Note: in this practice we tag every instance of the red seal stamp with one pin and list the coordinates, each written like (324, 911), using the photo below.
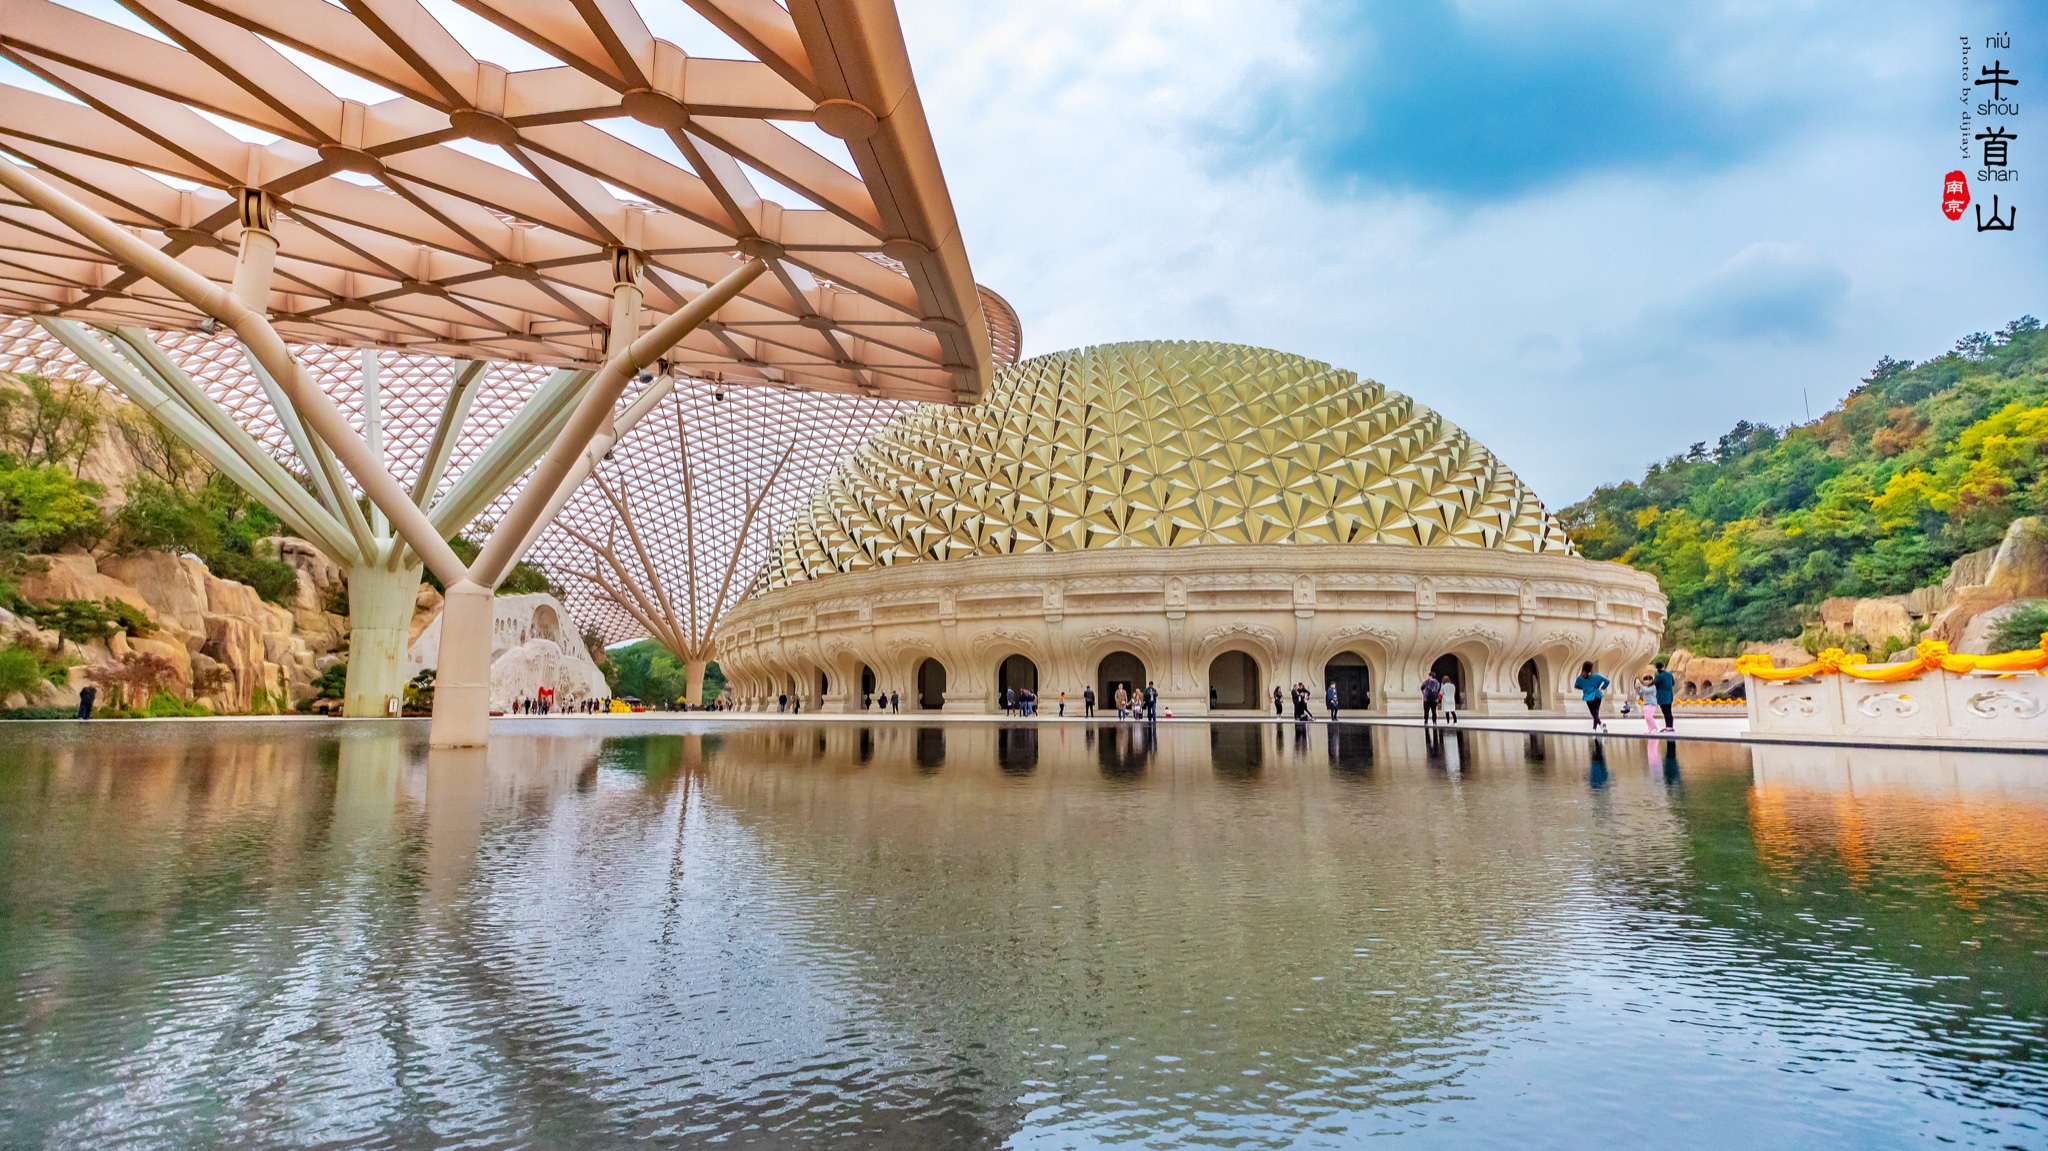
(1955, 195)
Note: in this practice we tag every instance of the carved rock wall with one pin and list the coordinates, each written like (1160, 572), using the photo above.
(534, 644)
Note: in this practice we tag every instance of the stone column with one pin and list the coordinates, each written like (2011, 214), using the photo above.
(462, 684)
(380, 604)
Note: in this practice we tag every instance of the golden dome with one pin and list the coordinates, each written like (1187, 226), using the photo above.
(1161, 444)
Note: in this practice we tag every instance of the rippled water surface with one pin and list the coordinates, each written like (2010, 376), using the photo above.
(789, 935)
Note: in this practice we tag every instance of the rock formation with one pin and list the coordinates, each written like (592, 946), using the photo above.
(534, 644)
(199, 623)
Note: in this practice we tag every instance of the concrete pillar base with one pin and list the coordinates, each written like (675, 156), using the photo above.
(380, 604)
(462, 685)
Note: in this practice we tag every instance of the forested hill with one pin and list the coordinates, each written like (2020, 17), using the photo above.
(1921, 464)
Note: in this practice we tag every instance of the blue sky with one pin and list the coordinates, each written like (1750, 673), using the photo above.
(1590, 232)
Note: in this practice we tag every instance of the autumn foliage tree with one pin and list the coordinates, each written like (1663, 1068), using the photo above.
(1919, 465)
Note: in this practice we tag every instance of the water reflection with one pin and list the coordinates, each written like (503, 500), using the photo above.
(1350, 748)
(1073, 935)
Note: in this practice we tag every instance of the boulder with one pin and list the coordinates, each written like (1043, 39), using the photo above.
(236, 643)
(1838, 615)
(320, 578)
(172, 586)
(426, 608)
(1879, 620)
(76, 575)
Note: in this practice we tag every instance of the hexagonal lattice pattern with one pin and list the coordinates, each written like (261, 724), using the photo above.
(1161, 445)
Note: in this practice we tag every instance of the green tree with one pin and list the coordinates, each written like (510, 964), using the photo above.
(648, 671)
(1919, 465)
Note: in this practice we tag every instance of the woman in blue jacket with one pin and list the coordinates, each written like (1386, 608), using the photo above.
(1592, 687)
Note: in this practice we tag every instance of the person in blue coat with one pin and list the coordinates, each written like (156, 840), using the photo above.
(1666, 689)
(1592, 687)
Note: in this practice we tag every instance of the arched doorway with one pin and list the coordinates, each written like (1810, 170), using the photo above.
(1530, 680)
(1233, 682)
(931, 685)
(1348, 672)
(1453, 668)
(1118, 668)
(867, 686)
(1016, 673)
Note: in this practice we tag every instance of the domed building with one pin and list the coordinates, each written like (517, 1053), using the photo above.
(1211, 518)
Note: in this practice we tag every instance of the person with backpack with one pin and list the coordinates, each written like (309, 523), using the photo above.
(1592, 688)
(1432, 697)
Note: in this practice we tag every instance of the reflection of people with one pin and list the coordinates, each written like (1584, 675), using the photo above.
(86, 695)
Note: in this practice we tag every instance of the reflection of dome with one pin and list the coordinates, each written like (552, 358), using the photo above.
(1162, 444)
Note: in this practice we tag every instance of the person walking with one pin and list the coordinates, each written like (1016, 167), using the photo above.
(86, 695)
(782, 702)
(895, 703)
(1276, 699)
(1432, 698)
(1450, 698)
(1667, 688)
(1646, 694)
(1330, 700)
(1063, 705)
(1088, 702)
(1592, 688)
(1123, 702)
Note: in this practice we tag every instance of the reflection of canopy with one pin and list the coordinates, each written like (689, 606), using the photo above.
(425, 198)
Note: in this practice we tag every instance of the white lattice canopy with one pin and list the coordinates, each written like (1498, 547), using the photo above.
(663, 539)
(470, 180)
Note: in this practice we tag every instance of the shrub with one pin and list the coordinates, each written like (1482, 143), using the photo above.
(84, 620)
(38, 713)
(332, 683)
(21, 670)
(2021, 629)
(140, 675)
(215, 521)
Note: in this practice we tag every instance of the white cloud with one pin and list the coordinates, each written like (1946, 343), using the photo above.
(1075, 136)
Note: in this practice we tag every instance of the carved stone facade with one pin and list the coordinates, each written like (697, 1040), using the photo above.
(839, 641)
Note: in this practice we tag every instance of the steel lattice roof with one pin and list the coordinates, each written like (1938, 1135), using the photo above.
(455, 180)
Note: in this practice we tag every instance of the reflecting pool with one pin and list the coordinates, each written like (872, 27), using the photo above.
(971, 935)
